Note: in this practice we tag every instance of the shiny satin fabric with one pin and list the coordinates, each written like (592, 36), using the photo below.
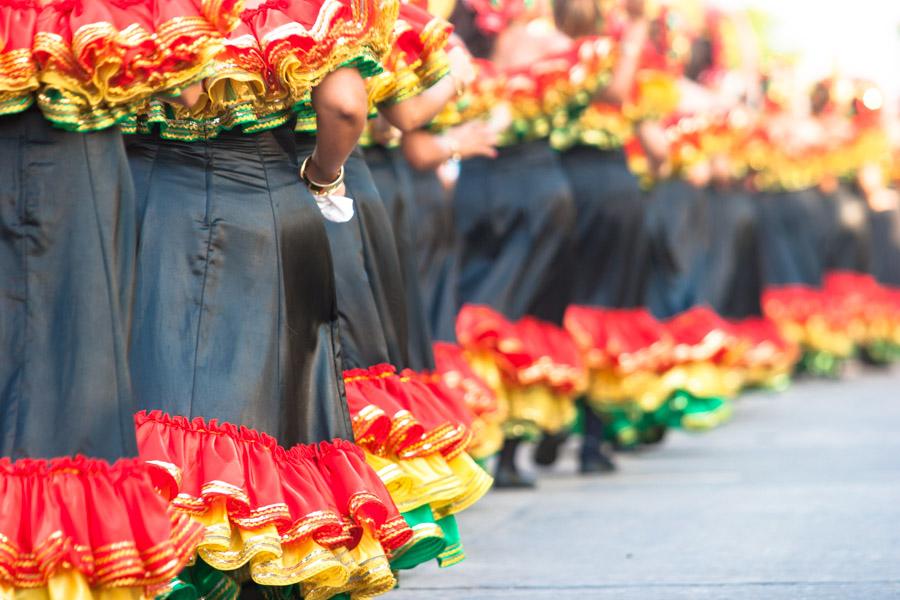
(793, 230)
(380, 277)
(732, 282)
(436, 253)
(678, 223)
(392, 177)
(847, 247)
(67, 239)
(514, 217)
(884, 245)
(611, 241)
(235, 314)
(364, 337)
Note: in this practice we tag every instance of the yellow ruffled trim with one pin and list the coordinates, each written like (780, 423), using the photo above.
(549, 410)
(474, 484)
(71, 585)
(322, 573)
(705, 380)
(448, 487)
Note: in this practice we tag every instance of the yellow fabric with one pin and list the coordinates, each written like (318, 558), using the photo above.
(448, 487)
(474, 484)
(71, 585)
(550, 411)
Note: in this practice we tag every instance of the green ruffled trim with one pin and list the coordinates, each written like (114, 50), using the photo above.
(882, 352)
(201, 582)
(453, 552)
(160, 116)
(13, 106)
(427, 544)
(822, 364)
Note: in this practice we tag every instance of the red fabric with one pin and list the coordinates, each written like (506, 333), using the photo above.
(422, 422)
(160, 40)
(554, 357)
(302, 491)
(764, 342)
(451, 363)
(700, 334)
(627, 339)
(104, 520)
(799, 303)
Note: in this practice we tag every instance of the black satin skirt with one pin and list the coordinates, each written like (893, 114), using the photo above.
(732, 279)
(67, 250)
(611, 241)
(514, 217)
(847, 247)
(367, 338)
(678, 223)
(393, 179)
(794, 232)
(436, 252)
(235, 316)
(884, 245)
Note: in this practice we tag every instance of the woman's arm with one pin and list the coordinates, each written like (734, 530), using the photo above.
(427, 151)
(341, 105)
(417, 111)
(630, 47)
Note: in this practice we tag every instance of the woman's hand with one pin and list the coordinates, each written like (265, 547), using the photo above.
(472, 139)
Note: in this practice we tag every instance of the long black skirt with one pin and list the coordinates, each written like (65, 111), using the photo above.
(514, 216)
(437, 253)
(235, 315)
(678, 225)
(67, 249)
(367, 338)
(393, 180)
(611, 240)
(732, 275)
(847, 247)
(884, 245)
(794, 230)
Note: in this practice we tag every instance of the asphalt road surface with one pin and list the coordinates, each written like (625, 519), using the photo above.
(797, 497)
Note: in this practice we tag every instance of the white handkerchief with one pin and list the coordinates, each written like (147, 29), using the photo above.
(338, 209)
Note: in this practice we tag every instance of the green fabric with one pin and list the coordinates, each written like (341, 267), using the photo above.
(694, 413)
(821, 363)
(453, 552)
(201, 581)
(428, 541)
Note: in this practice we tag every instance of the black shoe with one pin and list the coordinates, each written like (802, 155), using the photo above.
(507, 475)
(595, 460)
(547, 450)
(506, 479)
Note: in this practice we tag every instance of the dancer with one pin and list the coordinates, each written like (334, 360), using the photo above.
(80, 514)
(235, 352)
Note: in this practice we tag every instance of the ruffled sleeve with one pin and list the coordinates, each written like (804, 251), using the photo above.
(18, 69)
(270, 64)
(95, 61)
(417, 59)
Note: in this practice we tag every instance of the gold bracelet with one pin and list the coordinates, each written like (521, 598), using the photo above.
(320, 189)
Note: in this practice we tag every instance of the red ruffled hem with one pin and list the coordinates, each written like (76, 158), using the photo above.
(627, 340)
(528, 352)
(700, 335)
(402, 413)
(319, 491)
(458, 375)
(104, 521)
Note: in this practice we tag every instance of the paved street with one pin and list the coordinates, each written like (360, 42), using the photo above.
(798, 497)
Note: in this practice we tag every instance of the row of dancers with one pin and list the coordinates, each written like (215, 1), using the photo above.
(284, 281)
